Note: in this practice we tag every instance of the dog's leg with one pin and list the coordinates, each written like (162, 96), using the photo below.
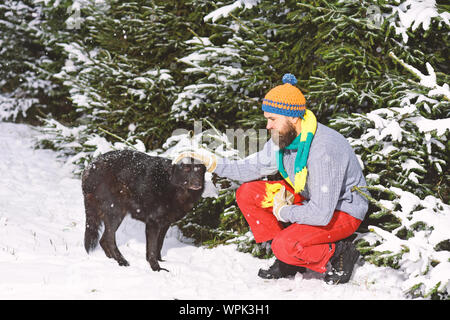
(161, 237)
(108, 241)
(152, 232)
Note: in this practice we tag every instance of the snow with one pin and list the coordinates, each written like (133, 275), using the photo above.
(428, 81)
(413, 13)
(419, 250)
(11, 106)
(226, 10)
(428, 125)
(42, 254)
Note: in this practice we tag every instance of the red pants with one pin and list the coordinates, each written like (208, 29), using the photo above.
(298, 244)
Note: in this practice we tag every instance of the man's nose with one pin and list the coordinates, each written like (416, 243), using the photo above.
(269, 125)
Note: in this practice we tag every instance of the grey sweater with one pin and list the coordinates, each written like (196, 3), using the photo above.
(333, 170)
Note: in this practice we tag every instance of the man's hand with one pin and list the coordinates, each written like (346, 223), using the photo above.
(281, 199)
(209, 160)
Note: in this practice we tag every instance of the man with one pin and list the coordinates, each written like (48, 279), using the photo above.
(315, 197)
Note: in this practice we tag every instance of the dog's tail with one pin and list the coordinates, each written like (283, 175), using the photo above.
(93, 223)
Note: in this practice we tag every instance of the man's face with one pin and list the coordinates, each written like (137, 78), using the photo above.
(282, 130)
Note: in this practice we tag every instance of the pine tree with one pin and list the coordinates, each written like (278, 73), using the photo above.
(404, 148)
(118, 79)
(377, 71)
(22, 87)
(350, 63)
(30, 55)
(61, 23)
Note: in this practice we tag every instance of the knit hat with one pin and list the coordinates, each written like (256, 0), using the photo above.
(285, 99)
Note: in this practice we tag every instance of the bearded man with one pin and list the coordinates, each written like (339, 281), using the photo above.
(308, 215)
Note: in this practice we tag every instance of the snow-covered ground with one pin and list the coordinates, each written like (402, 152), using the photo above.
(42, 254)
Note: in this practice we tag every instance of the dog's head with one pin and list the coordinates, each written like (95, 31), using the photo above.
(188, 173)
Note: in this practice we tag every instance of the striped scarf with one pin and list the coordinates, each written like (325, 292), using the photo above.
(302, 143)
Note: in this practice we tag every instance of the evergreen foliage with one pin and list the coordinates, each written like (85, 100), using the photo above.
(403, 143)
(29, 58)
(22, 86)
(117, 76)
(114, 74)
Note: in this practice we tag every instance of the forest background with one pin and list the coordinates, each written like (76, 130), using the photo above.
(98, 75)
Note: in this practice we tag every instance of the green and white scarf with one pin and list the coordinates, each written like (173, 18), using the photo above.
(302, 143)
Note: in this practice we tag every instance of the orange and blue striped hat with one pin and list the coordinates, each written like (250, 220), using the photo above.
(285, 99)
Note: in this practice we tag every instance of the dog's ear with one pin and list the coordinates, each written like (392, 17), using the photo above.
(170, 169)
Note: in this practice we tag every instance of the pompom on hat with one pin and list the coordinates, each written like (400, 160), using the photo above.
(285, 99)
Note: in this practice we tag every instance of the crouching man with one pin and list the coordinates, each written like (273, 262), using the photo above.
(315, 197)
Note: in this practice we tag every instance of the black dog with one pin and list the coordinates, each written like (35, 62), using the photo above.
(151, 189)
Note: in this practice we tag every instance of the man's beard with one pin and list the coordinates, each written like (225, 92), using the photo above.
(284, 138)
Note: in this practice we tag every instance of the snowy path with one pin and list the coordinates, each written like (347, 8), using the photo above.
(42, 254)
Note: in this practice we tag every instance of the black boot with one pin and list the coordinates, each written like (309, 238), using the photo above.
(342, 263)
(280, 270)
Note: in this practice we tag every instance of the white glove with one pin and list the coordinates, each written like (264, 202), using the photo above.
(281, 199)
(209, 160)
